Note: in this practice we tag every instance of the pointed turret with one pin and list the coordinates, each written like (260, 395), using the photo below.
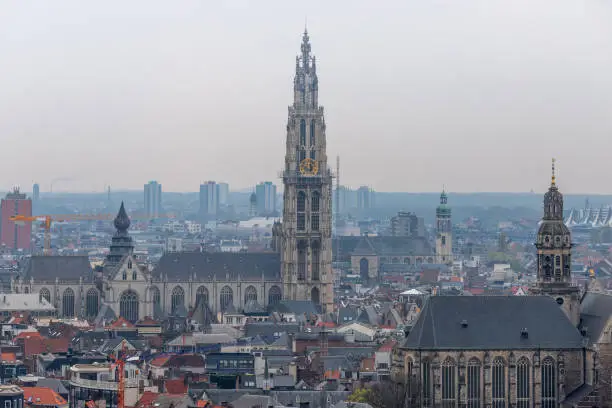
(122, 221)
(121, 243)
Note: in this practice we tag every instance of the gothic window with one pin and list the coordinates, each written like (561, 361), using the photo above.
(312, 133)
(419, 261)
(315, 297)
(227, 298)
(549, 384)
(409, 384)
(92, 302)
(124, 277)
(44, 294)
(302, 154)
(26, 290)
(128, 306)
(68, 303)
(407, 261)
(558, 260)
(443, 240)
(473, 383)
(522, 383)
(427, 386)
(314, 222)
(312, 154)
(301, 222)
(178, 299)
(498, 383)
(201, 295)
(130, 264)
(134, 275)
(274, 295)
(302, 132)
(448, 383)
(301, 202)
(302, 264)
(547, 267)
(155, 295)
(250, 294)
(315, 262)
(315, 202)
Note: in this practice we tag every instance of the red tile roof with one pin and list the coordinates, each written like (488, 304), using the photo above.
(8, 357)
(120, 323)
(42, 396)
(176, 386)
(159, 361)
(27, 334)
(39, 345)
(388, 346)
(147, 399)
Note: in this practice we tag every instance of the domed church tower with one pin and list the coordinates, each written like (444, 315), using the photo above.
(554, 246)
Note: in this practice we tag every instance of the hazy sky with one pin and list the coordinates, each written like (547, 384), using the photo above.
(474, 94)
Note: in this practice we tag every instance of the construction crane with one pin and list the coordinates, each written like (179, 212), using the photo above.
(119, 365)
(46, 220)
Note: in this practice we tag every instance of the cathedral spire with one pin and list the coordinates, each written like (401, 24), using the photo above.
(554, 179)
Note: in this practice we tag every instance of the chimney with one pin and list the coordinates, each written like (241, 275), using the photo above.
(524, 333)
(464, 323)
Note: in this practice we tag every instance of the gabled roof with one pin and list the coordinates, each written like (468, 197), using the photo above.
(595, 311)
(219, 265)
(64, 268)
(364, 247)
(492, 322)
(42, 396)
(121, 324)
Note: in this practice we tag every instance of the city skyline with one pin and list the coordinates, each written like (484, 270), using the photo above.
(531, 82)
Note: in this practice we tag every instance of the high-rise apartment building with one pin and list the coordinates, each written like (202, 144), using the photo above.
(209, 200)
(152, 199)
(12, 235)
(266, 198)
(223, 189)
(407, 224)
(365, 198)
(36, 192)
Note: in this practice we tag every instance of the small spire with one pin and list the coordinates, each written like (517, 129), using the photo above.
(554, 179)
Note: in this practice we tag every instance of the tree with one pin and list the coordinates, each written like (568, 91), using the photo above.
(387, 394)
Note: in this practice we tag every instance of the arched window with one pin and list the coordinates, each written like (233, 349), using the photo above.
(44, 294)
(92, 302)
(227, 298)
(549, 385)
(134, 275)
(315, 203)
(315, 259)
(313, 139)
(448, 383)
(26, 290)
(301, 261)
(522, 383)
(128, 306)
(156, 297)
(473, 383)
(178, 299)
(364, 268)
(301, 208)
(315, 297)
(124, 275)
(407, 261)
(302, 132)
(427, 385)
(250, 294)
(130, 264)
(201, 295)
(68, 303)
(274, 295)
(430, 260)
(498, 383)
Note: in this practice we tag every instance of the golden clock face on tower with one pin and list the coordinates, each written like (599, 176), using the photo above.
(309, 167)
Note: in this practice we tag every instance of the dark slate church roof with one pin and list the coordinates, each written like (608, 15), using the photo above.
(382, 246)
(493, 322)
(596, 309)
(66, 268)
(225, 266)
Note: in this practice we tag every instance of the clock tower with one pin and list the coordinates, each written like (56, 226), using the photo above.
(554, 245)
(306, 230)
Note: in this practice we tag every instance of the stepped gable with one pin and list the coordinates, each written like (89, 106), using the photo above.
(65, 268)
(223, 266)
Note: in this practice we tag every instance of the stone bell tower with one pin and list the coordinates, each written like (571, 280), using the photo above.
(444, 231)
(306, 252)
(554, 255)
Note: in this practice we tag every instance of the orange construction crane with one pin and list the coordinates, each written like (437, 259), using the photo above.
(47, 219)
(119, 365)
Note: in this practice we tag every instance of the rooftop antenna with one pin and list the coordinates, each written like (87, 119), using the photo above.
(553, 180)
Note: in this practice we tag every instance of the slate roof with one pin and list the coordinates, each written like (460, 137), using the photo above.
(267, 330)
(595, 310)
(297, 307)
(493, 322)
(222, 265)
(66, 268)
(382, 245)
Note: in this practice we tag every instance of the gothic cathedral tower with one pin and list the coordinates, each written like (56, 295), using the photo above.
(307, 215)
(444, 231)
(554, 246)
